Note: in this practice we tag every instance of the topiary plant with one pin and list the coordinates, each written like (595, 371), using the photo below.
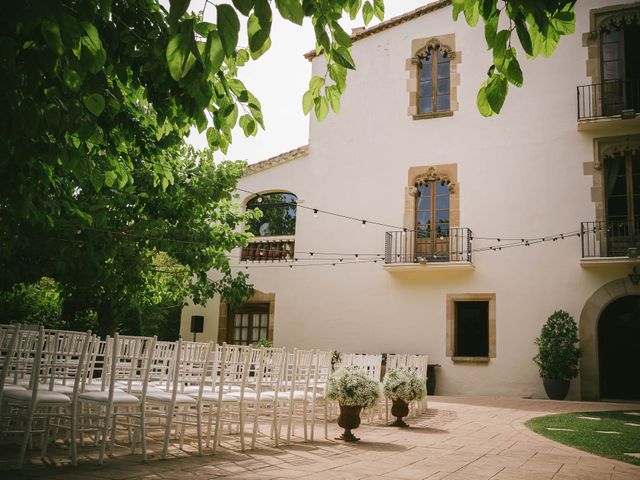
(558, 355)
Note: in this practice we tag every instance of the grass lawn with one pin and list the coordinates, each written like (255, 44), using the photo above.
(583, 433)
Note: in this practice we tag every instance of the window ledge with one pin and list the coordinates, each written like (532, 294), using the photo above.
(424, 116)
(428, 267)
(590, 262)
(483, 360)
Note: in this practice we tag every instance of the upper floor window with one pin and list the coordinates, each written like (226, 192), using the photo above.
(620, 64)
(278, 214)
(434, 93)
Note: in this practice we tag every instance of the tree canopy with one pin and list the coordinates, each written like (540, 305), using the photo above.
(100, 191)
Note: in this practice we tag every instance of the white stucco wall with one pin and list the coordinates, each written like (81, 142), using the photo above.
(520, 174)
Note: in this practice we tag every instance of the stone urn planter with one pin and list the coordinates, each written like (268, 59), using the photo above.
(349, 419)
(353, 390)
(399, 409)
(556, 389)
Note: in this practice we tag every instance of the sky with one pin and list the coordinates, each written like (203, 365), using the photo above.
(279, 79)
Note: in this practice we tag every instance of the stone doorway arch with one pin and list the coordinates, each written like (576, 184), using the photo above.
(588, 330)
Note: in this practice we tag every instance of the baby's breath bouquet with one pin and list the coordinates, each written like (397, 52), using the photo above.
(404, 384)
(351, 387)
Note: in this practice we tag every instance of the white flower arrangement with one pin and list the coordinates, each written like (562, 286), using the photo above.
(404, 384)
(351, 387)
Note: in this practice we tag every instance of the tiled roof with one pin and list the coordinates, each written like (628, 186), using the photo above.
(392, 22)
(277, 160)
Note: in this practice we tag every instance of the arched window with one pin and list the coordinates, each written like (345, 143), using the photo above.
(434, 73)
(278, 214)
(432, 218)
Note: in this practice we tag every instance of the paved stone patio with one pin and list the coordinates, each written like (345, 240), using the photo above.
(459, 439)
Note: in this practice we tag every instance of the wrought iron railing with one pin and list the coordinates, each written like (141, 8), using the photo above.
(608, 99)
(259, 250)
(611, 238)
(407, 247)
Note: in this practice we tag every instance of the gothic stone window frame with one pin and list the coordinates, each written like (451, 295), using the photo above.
(419, 48)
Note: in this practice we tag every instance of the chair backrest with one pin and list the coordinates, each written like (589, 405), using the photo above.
(129, 364)
(190, 365)
(26, 349)
(64, 357)
(271, 371)
(233, 370)
(370, 364)
(163, 355)
(322, 370)
(299, 376)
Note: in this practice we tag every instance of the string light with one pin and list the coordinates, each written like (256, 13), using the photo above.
(364, 223)
(315, 213)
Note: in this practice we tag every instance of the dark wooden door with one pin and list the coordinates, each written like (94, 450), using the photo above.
(432, 222)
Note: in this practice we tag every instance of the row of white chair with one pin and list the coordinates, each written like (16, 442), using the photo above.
(74, 385)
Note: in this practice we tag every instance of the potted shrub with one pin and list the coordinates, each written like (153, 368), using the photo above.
(353, 390)
(558, 355)
(402, 386)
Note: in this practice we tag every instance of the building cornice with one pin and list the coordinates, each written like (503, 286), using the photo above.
(392, 22)
(277, 160)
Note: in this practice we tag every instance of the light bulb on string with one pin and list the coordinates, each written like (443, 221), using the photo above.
(364, 223)
(315, 213)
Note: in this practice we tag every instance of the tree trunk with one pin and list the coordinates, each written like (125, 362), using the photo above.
(107, 323)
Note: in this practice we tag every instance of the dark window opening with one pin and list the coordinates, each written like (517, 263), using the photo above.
(248, 324)
(434, 81)
(472, 329)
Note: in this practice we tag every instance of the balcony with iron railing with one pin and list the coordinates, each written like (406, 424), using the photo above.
(406, 250)
(268, 250)
(607, 104)
(610, 242)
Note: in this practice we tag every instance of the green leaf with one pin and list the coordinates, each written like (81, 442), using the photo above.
(228, 26)
(367, 12)
(179, 56)
(564, 22)
(333, 95)
(378, 9)
(291, 10)
(471, 12)
(307, 101)
(177, 9)
(340, 36)
(243, 6)
(342, 57)
(490, 30)
(213, 137)
(354, 8)
(514, 73)
(483, 104)
(338, 74)
(94, 103)
(259, 26)
(458, 7)
(496, 91)
(248, 125)
(500, 49)
(322, 108)
(213, 52)
(51, 32)
(315, 84)
(110, 178)
(73, 79)
(96, 179)
(94, 46)
(523, 35)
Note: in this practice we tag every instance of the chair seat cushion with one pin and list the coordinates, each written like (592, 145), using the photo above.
(165, 397)
(297, 395)
(10, 386)
(103, 397)
(44, 396)
(213, 397)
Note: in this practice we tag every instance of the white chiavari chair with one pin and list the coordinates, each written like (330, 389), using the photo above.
(59, 357)
(318, 388)
(224, 398)
(189, 368)
(127, 365)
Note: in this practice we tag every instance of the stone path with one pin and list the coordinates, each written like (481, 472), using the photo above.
(459, 439)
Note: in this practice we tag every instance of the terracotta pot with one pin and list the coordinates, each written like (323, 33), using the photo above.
(349, 419)
(399, 409)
